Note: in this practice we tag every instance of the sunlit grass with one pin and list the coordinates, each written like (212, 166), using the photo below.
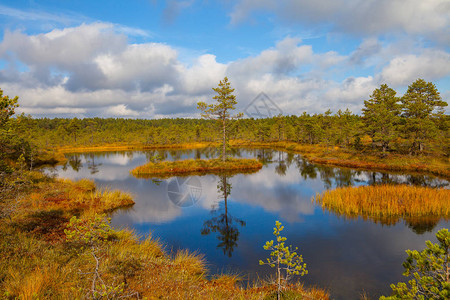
(190, 166)
(79, 195)
(387, 202)
(38, 262)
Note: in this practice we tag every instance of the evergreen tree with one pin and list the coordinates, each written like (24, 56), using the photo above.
(7, 136)
(381, 115)
(7, 106)
(226, 101)
(422, 107)
(430, 269)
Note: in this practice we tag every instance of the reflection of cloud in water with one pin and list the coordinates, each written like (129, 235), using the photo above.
(120, 160)
(288, 195)
(106, 173)
(152, 205)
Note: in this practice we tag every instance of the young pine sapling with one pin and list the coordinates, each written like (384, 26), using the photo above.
(284, 259)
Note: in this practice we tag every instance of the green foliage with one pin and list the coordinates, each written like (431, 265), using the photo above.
(7, 138)
(430, 269)
(95, 235)
(381, 115)
(7, 107)
(422, 108)
(92, 233)
(283, 258)
(220, 111)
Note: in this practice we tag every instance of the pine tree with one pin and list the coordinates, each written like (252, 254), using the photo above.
(226, 101)
(429, 269)
(422, 106)
(381, 115)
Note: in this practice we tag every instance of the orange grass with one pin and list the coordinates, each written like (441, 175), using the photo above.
(195, 166)
(387, 202)
(80, 195)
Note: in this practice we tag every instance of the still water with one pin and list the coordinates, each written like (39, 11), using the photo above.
(229, 218)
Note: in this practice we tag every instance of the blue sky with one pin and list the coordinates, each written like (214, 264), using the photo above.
(153, 59)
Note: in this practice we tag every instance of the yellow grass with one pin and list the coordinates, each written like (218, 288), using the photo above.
(387, 202)
(195, 166)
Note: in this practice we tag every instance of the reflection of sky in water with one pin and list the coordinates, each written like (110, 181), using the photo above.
(346, 256)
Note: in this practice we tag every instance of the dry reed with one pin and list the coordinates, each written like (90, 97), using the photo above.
(386, 202)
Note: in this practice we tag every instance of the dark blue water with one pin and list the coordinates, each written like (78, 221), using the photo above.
(347, 257)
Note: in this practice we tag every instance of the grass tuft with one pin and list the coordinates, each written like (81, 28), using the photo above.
(195, 166)
(387, 203)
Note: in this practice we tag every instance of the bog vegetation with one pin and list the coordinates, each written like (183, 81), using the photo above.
(387, 203)
(196, 166)
(56, 242)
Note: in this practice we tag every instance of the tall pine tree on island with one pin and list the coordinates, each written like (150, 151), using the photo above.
(220, 111)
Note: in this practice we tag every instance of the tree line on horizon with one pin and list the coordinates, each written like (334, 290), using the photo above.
(414, 123)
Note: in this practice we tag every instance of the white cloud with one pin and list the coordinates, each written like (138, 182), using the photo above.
(139, 66)
(205, 73)
(286, 57)
(350, 93)
(121, 110)
(53, 110)
(429, 17)
(92, 70)
(404, 69)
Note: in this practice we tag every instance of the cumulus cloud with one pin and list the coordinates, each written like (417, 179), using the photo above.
(286, 57)
(357, 16)
(404, 69)
(351, 93)
(93, 70)
(120, 110)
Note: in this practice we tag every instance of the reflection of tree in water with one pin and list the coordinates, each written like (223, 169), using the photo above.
(306, 169)
(75, 163)
(419, 225)
(281, 166)
(92, 165)
(346, 177)
(422, 225)
(224, 224)
(265, 156)
(198, 154)
(236, 152)
(176, 154)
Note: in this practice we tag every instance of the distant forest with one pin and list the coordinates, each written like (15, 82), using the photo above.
(412, 124)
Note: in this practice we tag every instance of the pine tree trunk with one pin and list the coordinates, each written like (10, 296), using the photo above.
(224, 141)
(420, 147)
(279, 277)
